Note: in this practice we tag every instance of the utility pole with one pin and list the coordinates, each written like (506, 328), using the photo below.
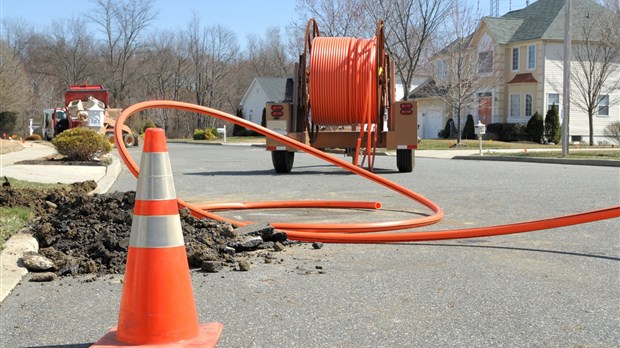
(566, 87)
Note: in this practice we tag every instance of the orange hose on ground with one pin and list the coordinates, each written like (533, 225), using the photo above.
(352, 233)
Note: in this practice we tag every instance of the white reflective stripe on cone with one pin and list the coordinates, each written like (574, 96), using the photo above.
(155, 180)
(156, 231)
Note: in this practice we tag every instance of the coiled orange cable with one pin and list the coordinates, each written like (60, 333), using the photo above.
(343, 88)
(349, 233)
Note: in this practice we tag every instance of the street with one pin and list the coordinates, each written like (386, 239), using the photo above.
(552, 288)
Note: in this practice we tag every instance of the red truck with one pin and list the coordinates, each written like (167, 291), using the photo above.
(57, 120)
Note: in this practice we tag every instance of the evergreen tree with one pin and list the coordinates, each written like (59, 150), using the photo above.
(468, 131)
(535, 128)
(552, 125)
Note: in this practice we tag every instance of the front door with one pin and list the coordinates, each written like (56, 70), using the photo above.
(485, 108)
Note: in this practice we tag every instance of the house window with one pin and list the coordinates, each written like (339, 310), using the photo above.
(531, 57)
(515, 105)
(515, 59)
(485, 62)
(528, 105)
(442, 69)
(603, 105)
(553, 99)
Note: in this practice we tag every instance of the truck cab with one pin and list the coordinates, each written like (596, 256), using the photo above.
(55, 121)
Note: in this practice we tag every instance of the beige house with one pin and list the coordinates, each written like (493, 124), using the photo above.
(522, 52)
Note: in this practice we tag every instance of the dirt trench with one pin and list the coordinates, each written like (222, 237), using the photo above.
(89, 234)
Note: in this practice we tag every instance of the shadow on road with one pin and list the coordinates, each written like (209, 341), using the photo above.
(604, 257)
(301, 170)
(78, 345)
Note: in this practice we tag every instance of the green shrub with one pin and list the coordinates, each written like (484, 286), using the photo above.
(552, 125)
(468, 130)
(81, 144)
(199, 134)
(8, 119)
(612, 132)
(211, 133)
(506, 132)
(239, 131)
(447, 130)
(33, 137)
(148, 124)
(535, 128)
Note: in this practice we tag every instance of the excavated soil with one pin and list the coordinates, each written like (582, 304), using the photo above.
(89, 234)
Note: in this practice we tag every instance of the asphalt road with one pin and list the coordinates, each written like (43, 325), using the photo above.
(552, 288)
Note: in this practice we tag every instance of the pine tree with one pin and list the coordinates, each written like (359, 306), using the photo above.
(552, 125)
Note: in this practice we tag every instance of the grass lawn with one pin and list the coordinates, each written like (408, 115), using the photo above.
(445, 144)
(572, 153)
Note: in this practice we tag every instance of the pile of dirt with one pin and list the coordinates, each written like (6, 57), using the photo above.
(84, 234)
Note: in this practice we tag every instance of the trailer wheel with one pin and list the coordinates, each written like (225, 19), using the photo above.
(128, 139)
(282, 161)
(404, 160)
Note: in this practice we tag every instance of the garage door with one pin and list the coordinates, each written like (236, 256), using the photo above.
(431, 124)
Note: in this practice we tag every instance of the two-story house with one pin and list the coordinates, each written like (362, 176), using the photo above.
(523, 50)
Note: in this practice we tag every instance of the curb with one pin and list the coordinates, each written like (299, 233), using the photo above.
(578, 162)
(111, 173)
(11, 266)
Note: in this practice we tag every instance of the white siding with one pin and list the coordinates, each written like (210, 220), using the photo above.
(554, 80)
(253, 103)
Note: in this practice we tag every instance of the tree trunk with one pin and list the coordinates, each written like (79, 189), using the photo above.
(591, 126)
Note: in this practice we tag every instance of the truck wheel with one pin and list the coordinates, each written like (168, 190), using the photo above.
(128, 139)
(282, 161)
(404, 160)
(110, 137)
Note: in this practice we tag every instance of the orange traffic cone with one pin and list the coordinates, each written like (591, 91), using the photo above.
(157, 305)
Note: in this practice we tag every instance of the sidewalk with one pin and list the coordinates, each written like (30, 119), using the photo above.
(51, 174)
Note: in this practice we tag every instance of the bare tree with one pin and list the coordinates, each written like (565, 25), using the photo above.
(14, 91)
(212, 52)
(595, 69)
(165, 68)
(464, 67)
(267, 54)
(335, 18)
(122, 23)
(612, 5)
(16, 34)
(409, 26)
(70, 51)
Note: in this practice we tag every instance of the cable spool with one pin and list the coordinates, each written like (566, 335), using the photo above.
(343, 84)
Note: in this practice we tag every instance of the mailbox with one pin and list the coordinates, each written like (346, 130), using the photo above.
(480, 128)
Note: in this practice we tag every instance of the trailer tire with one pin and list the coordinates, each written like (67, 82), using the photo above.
(404, 160)
(282, 161)
(128, 139)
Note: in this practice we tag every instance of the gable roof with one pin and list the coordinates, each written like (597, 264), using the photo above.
(276, 88)
(544, 19)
